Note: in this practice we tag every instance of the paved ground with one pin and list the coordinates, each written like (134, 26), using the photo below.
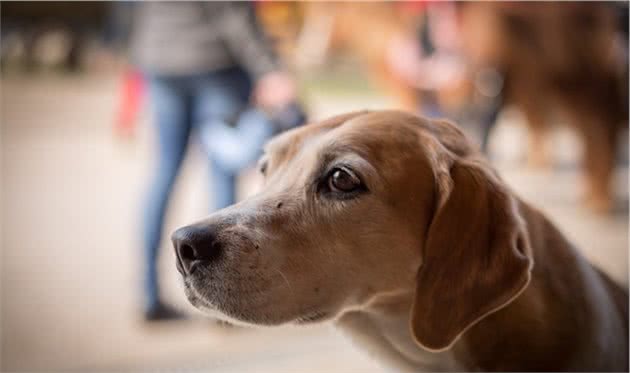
(70, 253)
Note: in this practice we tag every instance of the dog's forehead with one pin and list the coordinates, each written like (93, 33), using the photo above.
(285, 146)
(367, 132)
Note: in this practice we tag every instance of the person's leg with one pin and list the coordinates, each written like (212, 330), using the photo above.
(220, 100)
(172, 123)
(223, 184)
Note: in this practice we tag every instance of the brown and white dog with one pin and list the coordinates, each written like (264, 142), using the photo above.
(393, 227)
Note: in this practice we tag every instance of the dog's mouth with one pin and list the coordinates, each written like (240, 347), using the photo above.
(207, 306)
(197, 300)
(314, 317)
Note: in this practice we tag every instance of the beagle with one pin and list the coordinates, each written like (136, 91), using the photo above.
(394, 228)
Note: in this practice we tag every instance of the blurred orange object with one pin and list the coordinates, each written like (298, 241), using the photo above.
(129, 106)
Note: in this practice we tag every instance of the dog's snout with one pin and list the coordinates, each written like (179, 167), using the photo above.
(194, 246)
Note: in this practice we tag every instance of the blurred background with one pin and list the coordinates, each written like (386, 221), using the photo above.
(121, 121)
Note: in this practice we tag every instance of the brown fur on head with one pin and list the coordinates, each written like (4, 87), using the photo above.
(428, 219)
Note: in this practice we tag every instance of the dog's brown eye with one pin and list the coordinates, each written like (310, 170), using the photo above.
(343, 181)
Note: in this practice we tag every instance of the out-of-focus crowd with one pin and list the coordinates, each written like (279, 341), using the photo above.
(464, 61)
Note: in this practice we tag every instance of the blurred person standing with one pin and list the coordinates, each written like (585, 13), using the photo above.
(202, 62)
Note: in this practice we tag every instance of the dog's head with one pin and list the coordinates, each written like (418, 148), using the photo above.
(356, 207)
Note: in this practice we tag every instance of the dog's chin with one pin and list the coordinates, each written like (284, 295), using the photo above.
(215, 310)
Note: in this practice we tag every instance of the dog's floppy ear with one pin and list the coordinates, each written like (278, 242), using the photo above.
(476, 256)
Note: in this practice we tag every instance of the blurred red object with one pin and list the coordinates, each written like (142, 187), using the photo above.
(129, 106)
(413, 7)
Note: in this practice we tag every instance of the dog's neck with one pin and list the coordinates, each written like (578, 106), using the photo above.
(383, 330)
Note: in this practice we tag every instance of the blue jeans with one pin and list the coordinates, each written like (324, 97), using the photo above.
(203, 106)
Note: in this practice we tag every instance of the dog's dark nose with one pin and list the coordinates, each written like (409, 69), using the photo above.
(194, 246)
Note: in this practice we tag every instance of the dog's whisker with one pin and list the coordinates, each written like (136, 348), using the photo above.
(285, 280)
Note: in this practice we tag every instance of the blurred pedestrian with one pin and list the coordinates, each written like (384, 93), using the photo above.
(202, 62)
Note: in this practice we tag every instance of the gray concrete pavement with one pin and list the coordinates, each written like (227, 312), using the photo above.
(70, 250)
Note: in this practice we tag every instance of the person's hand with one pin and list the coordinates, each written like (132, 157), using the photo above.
(275, 90)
